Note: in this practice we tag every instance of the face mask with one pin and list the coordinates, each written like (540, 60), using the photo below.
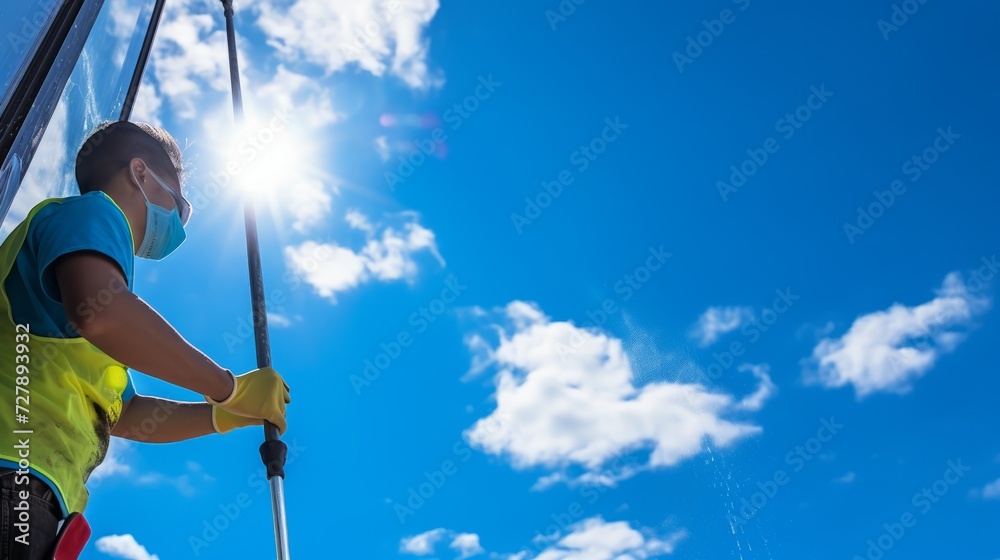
(164, 228)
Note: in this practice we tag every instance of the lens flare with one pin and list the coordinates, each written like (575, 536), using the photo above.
(414, 120)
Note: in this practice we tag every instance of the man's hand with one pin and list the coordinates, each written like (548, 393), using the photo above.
(261, 393)
(224, 421)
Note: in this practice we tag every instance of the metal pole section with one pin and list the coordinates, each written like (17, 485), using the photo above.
(140, 67)
(273, 450)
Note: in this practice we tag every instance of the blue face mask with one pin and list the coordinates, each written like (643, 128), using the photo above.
(164, 228)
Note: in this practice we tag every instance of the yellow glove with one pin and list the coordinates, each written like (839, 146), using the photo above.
(261, 393)
(225, 421)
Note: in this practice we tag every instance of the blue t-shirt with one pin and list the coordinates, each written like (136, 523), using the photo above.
(89, 222)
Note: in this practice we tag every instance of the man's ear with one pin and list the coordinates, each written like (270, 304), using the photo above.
(137, 171)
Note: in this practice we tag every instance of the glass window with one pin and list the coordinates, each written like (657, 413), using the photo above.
(21, 24)
(94, 93)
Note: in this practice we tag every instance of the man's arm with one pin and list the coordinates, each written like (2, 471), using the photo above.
(129, 330)
(171, 420)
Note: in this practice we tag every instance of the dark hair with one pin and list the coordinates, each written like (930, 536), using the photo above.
(110, 148)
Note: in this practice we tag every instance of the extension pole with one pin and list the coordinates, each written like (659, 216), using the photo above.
(273, 450)
(140, 65)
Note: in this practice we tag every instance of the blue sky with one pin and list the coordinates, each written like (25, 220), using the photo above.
(615, 365)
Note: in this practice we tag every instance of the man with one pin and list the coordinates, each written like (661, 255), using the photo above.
(70, 326)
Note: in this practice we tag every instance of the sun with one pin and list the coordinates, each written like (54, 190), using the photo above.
(266, 160)
(270, 152)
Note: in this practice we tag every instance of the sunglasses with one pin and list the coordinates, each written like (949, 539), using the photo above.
(183, 206)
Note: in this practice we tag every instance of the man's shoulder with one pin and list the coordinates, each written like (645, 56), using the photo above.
(79, 207)
(95, 199)
(90, 221)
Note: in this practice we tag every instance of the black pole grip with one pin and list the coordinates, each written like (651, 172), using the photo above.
(273, 453)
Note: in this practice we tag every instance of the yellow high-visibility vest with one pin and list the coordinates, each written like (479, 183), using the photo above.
(68, 390)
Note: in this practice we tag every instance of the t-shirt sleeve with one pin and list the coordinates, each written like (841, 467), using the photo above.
(129, 391)
(87, 223)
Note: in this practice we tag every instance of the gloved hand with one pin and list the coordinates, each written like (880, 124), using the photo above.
(261, 393)
(225, 421)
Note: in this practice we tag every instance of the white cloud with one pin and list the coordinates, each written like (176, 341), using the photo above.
(482, 353)
(886, 351)
(308, 202)
(183, 483)
(114, 462)
(565, 398)
(291, 90)
(524, 314)
(331, 268)
(596, 539)
(716, 321)
(589, 539)
(467, 545)
(278, 320)
(147, 104)
(390, 258)
(379, 36)
(190, 54)
(359, 221)
(382, 147)
(992, 490)
(189, 69)
(48, 175)
(122, 26)
(846, 478)
(124, 546)
(422, 544)
(765, 388)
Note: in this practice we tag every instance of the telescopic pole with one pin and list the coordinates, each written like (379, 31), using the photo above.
(273, 450)
(140, 65)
